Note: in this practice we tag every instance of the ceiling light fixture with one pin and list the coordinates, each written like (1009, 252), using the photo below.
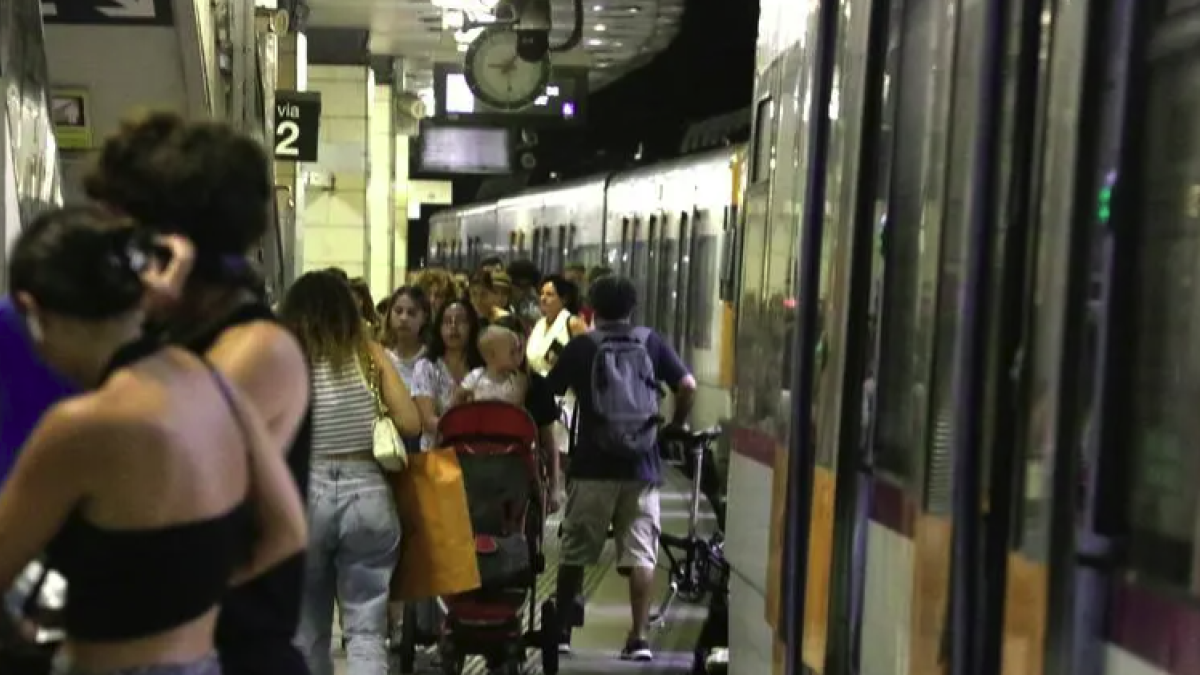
(597, 8)
(595, 43)
(600, 28)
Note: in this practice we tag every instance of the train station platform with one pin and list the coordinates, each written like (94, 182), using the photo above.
(595, 647)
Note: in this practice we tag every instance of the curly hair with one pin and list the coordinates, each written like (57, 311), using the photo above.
(204, 180)
(323, 313)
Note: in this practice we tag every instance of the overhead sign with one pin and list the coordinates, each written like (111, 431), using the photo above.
(72, 117)
(109, 12)
(297, 125)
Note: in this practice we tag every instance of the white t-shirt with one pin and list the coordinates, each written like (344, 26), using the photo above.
(486, 388)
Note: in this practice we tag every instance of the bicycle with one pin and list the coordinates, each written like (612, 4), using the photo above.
(697, 565)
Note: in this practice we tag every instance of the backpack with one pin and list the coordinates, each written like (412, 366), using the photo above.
(624, 393)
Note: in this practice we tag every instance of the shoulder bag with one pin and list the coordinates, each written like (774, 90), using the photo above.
(388, 446)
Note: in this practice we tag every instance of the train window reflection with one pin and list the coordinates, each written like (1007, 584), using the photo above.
(764, 146)
(1164, 428)
(903, 369)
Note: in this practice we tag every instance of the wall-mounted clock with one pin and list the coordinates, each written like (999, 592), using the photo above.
(498, 76)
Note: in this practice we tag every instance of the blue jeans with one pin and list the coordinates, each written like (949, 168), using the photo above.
(354, 542)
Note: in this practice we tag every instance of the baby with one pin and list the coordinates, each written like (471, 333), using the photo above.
(501, 378)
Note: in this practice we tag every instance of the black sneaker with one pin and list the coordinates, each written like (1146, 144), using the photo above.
(637, 650)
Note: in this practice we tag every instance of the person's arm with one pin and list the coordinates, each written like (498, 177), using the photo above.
(576, 326)
(278, 509)
(670, 370)
(551, 454)
(568, 364)
(425, 395)
(47, 482)
(396, 397)
(265, 362)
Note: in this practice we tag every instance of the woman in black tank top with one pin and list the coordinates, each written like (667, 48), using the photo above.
(146, 492)
(212, 184)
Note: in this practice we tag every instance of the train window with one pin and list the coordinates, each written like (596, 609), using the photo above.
(668, 273)
(908, 311)
(645, 266)
(764, 141)
(536, 250)
(1163, 437)
(622, 262)
(681, 300)
(571, 253)
(512, 245)
(704, 259)
(561, 250)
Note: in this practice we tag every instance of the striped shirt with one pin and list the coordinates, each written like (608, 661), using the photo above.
(343, 410)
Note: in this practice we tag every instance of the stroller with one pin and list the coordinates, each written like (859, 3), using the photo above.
(505, 484)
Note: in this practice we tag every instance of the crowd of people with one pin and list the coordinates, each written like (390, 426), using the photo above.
(199, 465)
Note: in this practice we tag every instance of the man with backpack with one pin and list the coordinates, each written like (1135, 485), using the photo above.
(615, 471)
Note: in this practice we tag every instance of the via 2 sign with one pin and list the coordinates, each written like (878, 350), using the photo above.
(297, 125)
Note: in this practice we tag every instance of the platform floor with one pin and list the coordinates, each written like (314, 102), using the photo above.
(596, 646)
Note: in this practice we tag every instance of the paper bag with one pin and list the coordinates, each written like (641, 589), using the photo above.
(437, 550)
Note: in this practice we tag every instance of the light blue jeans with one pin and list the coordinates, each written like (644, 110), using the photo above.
(354, 542)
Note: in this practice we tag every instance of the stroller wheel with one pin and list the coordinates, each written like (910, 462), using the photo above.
(550, 633)
(453, 663)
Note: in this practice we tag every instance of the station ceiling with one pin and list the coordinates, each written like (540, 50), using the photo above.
(619, 36)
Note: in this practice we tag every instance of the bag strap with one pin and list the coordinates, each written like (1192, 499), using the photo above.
(374, 378)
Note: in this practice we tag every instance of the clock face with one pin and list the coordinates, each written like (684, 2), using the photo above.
(499, 77)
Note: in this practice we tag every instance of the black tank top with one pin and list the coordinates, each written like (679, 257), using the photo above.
(259, 619)
(125, 583)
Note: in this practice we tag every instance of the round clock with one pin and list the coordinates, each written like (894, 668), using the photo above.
(498, 76)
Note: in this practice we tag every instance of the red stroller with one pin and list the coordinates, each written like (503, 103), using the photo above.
(496, 444)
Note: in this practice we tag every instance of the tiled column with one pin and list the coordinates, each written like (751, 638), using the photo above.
(400, 207)
(379, 199)
(336, 209)
(292, 74)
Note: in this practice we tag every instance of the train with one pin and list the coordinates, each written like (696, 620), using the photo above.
(670, 227)
(947, 327)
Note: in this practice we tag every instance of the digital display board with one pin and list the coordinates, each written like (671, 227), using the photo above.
(463, 150)
(563, 102)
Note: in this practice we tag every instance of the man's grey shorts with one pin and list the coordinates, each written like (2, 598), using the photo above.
(631, 507)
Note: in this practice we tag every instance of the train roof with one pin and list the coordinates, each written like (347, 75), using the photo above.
(594, 182)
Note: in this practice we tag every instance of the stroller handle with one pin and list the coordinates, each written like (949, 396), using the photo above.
(703, 437)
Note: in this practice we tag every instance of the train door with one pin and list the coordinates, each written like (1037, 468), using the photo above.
(1109, 514)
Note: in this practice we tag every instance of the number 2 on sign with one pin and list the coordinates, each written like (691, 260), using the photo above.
(287, 134)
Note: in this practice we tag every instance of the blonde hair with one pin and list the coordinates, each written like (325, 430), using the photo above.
(492, 335)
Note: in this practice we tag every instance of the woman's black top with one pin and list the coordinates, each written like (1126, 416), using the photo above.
(259, 619)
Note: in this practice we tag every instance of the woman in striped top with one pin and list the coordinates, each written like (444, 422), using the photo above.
(355, 531)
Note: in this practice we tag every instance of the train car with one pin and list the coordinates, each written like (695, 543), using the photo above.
(479, 236)
(543, 224)
(670, 229)
(962, 439)
(669, 226)
(446, 239)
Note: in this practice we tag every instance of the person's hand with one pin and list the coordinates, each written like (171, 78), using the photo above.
(555, 499)
(165, 283)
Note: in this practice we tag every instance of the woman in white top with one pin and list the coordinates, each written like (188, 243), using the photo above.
(405, 328)
(559, 303)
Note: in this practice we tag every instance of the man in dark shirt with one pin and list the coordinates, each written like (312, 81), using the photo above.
(609, 489)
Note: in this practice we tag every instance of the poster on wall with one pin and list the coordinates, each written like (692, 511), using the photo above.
(70, 112)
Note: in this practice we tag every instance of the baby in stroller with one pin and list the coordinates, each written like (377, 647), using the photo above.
(501, 378)
(505, 480)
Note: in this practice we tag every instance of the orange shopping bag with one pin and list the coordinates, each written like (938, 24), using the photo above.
(437, 550)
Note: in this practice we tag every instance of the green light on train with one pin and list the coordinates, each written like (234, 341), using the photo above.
(1105, 210)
